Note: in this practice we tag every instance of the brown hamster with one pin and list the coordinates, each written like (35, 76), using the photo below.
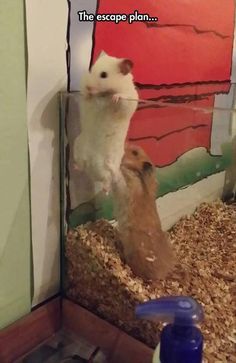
(146, 248)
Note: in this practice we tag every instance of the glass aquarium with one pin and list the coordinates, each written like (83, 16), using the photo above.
(155, 214)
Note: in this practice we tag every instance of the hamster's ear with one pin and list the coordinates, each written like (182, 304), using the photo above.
(125, 66)
(101, 54)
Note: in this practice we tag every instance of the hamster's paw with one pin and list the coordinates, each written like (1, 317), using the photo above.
(106, 187)
(116, 97)
(79, 165)
(114, 171)
(76, 167)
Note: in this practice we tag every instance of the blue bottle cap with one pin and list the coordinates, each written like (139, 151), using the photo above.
(181, 341)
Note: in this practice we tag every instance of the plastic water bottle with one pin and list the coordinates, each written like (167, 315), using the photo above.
(180, 341)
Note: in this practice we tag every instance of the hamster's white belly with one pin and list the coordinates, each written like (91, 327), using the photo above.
(104, 128)
(100, 142)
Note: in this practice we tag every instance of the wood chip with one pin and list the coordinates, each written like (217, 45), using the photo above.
(204, 244)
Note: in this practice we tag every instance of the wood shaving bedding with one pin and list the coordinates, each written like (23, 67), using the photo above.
(205, 245)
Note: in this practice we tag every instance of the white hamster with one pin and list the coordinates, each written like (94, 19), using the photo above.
(105, 115)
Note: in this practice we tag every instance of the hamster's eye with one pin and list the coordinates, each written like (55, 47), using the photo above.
(103, 74)
(134, 152)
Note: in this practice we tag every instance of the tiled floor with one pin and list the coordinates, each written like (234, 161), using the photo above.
(65, 348)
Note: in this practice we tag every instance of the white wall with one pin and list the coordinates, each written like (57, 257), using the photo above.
(46, 37)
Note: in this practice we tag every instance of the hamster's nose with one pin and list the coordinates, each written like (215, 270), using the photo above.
(91, 90)
(147, 166)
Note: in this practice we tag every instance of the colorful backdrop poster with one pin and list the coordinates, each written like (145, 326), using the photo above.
(183, 54)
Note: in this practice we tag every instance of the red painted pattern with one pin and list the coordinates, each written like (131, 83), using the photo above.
(167, 133)
(176, 54)
(191, 44)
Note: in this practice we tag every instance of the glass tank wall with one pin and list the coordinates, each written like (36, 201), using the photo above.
(148, 193)
(152, 212)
